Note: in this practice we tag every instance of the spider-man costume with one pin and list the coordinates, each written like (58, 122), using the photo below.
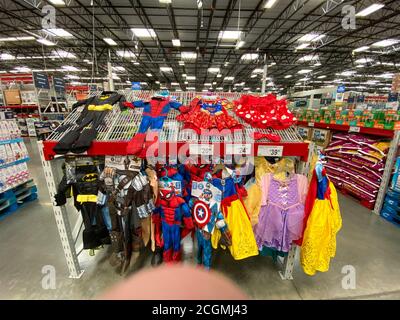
(154, 113)
(172, 210)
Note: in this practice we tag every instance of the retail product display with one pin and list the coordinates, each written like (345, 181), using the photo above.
(207, 112)
(356, 164)
(79, 137)
(155, 112)
(391, 206)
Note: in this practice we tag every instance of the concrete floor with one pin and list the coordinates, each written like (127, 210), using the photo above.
(29, 240)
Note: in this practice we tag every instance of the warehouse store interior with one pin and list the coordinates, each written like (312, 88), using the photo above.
(255, 140)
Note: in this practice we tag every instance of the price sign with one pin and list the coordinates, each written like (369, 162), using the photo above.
(270, 151)
(201, 149)
(238, 148)
(354, 129)
(311, 124)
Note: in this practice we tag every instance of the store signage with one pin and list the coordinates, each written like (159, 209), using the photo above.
(354, 129)
(341, 89)
(136, 86)
(93, 87)
(41, 80)
(238, 148)
(270, 151)
(311, 124)
(59, 85)
(201, 149)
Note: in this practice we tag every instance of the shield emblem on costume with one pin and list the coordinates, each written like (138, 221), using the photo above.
(201, 213)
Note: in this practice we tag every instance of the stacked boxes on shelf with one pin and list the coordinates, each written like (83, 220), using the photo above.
(16, 185)
(391, 207)
(356, 164)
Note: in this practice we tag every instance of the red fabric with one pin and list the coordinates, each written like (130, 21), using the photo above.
(269, 136)
(128, 105)
(157, 106)
(264, 112)
(135, 145)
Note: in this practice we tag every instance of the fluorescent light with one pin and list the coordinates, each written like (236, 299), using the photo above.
(240, 44)
(269, 4)
(165, 1)
(63, 54)
(143, 32)
(174, 84)
(181, 63)
(219, 75)
(191, 88)
(367, 11)
(207, 84)
(176, 42)
(88, 61)
(190, 78)
(229, 78)
(258, 70)
(58, 32)
(215, 82)
(360, 49)
(253, 76)
(149, 74)
(57, 2)
(199, 4)
(220, 88)
(71, 76)
(136, 63)
(347, 73)
(17, 39)
(309, 57)
(165, 69)
(386, 43)
(186, 82)
(246, 89)
(158, 82)
(364, 60)
(119, 68)
(204, 90)
(229, 35)
(288, 76)
(70, 68)
(214, 70)
(302, 46)
(109, 41)
(321, 77)
(126, 54)
(184, 75)
(6, 56)
(187, 55)
(45, 42)
(249, 56)
(311, 37)
(304, 71)
(226, 64)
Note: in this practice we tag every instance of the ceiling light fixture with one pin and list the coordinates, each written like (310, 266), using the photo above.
(17, 39)
(181, 63)
(360, 49)
(126, 54)
(386, 43)
(321, 77)
(229, 35)
(269, 4)
(240, 44)
(188, 55)
(219, 75)
(165, 69)
(213, 70)
(302, 46)
(176, 42)
(229, 78)
(288, 76)
(309, 57)
(58, 32)
(372, 8)
(45, 42)
(190, 78)
(303, 71)
(165, 1)
(57, 2)
(6, 56)
(174, 84)
(109, 41)
(364, 60)
(136, 63)
(149, 74)
(143, 33)
(191, 88)
(249, 56)
(311, 37)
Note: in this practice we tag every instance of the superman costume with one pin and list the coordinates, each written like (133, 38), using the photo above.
(172, 211)
(154, 113)
(207, 113)
(95, 109)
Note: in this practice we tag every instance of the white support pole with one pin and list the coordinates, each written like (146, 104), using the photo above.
(390, 159)
(60, 213)
(110, 78)
(264, 77)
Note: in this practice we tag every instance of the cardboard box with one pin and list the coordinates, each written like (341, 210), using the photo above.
(305, 132)
(12, 96)
(321, 137)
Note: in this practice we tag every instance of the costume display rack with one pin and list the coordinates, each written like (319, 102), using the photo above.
(119, 127)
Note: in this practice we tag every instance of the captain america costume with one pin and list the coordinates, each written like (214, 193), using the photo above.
(155, 112)
(172, 210)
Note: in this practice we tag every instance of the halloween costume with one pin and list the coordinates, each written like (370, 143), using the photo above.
(155, 112)
(264, 112)
(81, 180)
(172, 211)
(207, 113)
(131, 203)
(207, 217)
(323, 223)
(95, 109)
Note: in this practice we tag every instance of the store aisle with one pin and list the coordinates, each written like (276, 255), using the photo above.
(29, 241)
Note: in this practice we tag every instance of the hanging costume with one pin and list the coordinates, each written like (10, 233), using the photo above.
(94, 111)
(81, 180)
(130, 201)
(281, 216)
(323, 223)
(237, 219)
(207, 216)
(155, 112)
(207, 113)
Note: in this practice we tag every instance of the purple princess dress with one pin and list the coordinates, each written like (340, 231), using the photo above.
(282, 212)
